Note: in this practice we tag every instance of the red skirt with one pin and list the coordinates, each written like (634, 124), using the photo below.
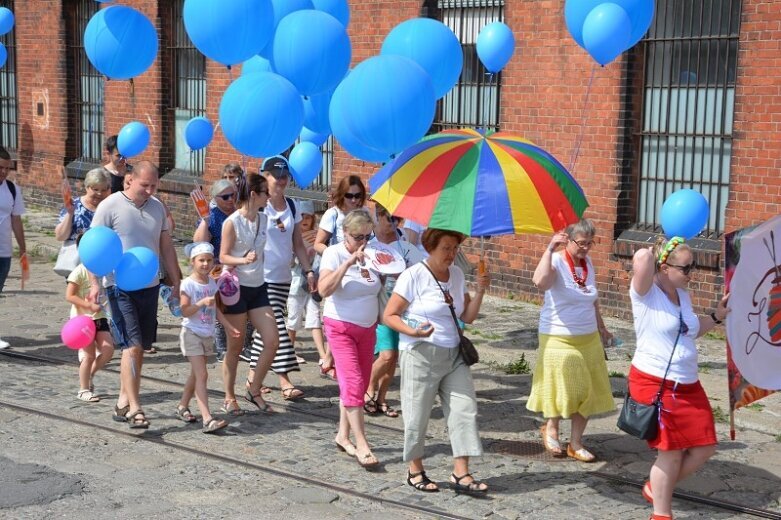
(686, 416)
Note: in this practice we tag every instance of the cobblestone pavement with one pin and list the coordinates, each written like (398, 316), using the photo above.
(54, 468)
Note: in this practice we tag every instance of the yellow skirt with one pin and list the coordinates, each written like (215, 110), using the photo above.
(570, 377)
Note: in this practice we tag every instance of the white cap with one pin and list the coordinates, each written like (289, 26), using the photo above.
(198, 248)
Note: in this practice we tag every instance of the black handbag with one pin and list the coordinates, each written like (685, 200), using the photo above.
(642, 420)
(465, 345)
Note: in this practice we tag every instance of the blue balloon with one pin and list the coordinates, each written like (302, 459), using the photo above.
(316, 112)
(229, 32)
(641, 14)
(495, 46)
(432, 45)
(344, 135)
(100, 250)
(684, 214)
(198, 133)
(256, 63)
(306, 161)
(339, 9)
(6, 20)
(120, 42)
(312, 50)
(132, 139)
(282, 8)
(261, 114)
(3, 55)
(387, 103)
(312, 137)
(137, 268)
(606, 32)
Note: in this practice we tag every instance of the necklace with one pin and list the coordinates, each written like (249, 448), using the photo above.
(581, 281)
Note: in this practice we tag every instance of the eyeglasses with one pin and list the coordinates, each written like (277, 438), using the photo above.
(583, 244)
(361, 238)
(353, 196)
(685, 269)
(227, 196)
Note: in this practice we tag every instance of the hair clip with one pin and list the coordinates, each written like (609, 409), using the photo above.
(669, 248)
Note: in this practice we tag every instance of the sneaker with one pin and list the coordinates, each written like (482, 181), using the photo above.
(300, 360)
(245, 356)
(4, 344)
(220, 356)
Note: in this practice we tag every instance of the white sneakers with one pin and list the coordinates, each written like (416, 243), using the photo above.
(4, 344)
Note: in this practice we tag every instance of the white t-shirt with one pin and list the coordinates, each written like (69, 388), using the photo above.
(202, 322)
(80, 277)
(419, 229)
(568, 309)
(279, 243)
(249, 236)
(332, 221)
(355, 300)
(427, 304)
(657, 320)
(8, 207)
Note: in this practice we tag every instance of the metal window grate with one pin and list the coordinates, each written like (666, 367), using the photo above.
(691, 53)
(9, 110)
(86, 85)
(474, 100)
(188, 90)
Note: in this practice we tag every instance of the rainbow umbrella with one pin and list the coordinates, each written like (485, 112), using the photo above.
(480, 184)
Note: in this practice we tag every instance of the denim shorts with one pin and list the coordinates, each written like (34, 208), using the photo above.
(249, 298)
(135, 315)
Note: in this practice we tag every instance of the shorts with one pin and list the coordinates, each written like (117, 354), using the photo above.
(135, 316)
(249, 298)
(191, 344)
(296, 316)
(387, 339)
(101, 325)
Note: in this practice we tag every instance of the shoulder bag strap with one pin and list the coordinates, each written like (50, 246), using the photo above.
(669, 362)
(452, 309)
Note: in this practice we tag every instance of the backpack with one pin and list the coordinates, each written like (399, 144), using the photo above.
(292, 206)
(12, 189)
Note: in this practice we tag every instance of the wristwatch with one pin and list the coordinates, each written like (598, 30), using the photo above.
(715, 319)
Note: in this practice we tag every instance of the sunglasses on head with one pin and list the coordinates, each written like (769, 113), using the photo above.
(685, 269)
(353, 196)
(361, 238)
(227, 196)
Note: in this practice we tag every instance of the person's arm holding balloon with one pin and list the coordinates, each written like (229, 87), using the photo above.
(644, 268)
(545, 273)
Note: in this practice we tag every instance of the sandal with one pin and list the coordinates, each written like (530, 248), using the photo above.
(551, 445)
(291, 393)
(120, 414)
(385, 409)
(422, 484)
(214, 425)
(265, 407)
(349, 449)
(185, 415)
(583, 455)
(263, 389)
(231, 407)
(138, 420)
(475, 486)
(88, 396)
(327, 372)
(368, 460)
(370, 406)
(648, 494)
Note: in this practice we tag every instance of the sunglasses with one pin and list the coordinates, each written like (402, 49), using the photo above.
(227, 196)
(353, 196)
(361, 238)
(685, 269)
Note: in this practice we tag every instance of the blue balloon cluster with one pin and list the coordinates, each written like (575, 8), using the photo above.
(256, 63)
(316, 112)
(606, 29)
(132, 139)
(137, 268)
(7, 20)
(100, 250)
(261, 114)
(495, 46)
(198, 133)
(684, 214)
(120, 42)
(306, 161)
(229, 32)
(312, 137)
(339, 9)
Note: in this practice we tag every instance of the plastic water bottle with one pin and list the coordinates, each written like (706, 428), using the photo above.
(412, 322)
(172, 303)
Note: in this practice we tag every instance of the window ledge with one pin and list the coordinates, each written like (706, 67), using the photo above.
(78, 168)
(707, 252)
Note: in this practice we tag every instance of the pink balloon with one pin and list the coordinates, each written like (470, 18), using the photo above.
(78, 332)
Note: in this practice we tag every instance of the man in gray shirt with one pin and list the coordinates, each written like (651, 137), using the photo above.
(139, 220)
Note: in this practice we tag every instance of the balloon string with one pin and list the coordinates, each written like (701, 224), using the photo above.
(579, 140)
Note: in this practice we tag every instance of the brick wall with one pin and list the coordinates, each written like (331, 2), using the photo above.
(543, 93)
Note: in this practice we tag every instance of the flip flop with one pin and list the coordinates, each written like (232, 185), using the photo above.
(349, 449)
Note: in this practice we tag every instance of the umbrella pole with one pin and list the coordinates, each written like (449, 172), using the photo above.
(481, 262)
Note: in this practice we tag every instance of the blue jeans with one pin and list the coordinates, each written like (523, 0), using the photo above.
(5, 266)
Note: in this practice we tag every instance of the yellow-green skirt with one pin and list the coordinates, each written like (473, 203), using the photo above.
(570, 377)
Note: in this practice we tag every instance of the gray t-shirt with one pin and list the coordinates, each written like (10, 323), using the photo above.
(136, 226)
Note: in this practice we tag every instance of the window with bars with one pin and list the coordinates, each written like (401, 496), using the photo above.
(9, 122)
(187, 92)
(691, 55)
(319, 188)
(474, 101)
(85, 87)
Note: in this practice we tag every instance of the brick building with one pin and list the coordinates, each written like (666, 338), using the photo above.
(696, 104)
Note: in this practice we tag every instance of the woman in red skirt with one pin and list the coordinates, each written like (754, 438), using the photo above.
(666, 327)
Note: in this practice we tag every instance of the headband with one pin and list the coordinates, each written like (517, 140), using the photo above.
(669, 248)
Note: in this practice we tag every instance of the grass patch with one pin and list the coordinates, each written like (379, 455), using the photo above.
(716, 334)
(720, 416)
(778, 437)
(757, 407)
(518, 367)
(505, 310)
(614, 373)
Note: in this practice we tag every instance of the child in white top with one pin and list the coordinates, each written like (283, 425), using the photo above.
(197, 336)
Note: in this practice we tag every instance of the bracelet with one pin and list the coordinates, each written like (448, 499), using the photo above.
(715, 319)
(309, 271)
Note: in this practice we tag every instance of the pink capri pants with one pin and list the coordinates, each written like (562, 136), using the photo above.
(353, 349)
